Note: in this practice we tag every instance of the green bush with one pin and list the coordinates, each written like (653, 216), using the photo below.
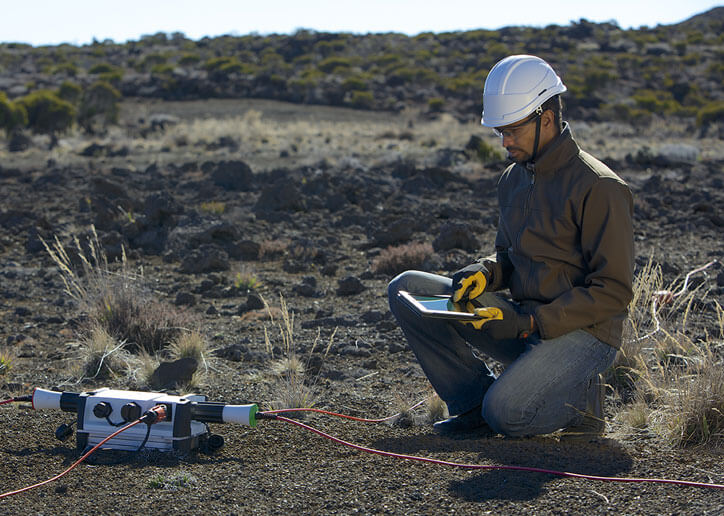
(48, 113)
(70, 92)
(189, 59)
(99, 105)
(336, 64)
(69, 69)
(150, 61)
(479, 149)
(12, 114)
(436, 104)
(710, 113)
(357, 83)
(327, 48)
(222, 67)
(627, 112)
(162, 69)
(361, 99)
(101, 68)
(654, 101)
(406, 75)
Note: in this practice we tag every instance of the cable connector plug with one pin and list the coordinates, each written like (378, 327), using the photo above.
(154, 415)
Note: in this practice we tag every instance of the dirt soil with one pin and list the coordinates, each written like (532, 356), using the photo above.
(334, 218)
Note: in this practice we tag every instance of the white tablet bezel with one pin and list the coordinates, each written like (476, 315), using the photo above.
(418, 306)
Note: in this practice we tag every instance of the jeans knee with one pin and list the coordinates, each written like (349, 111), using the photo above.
(398, 283)
(507, 417)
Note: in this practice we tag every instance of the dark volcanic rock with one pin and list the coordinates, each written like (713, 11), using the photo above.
(170, 375)
(350, 286)
(207, 258)
(456, 236)
(233, 175)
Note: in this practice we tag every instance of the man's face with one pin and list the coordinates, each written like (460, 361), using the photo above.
(518, 139)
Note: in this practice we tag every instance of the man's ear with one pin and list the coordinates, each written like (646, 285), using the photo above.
(548, 118)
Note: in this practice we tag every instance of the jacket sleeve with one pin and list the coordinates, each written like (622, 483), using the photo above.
(606, 229)
(499, 264)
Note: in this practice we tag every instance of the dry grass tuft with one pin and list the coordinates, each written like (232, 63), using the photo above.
(696, 399)
(273, 248)
(397, 259)
(672, 386)
(144, 365)
(7, 356)
(213, 207)
(436, 409)
(293, 386)
(103, 357)
(115, 298)
(189, 344)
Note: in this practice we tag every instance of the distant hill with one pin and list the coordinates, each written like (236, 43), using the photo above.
(634, 75)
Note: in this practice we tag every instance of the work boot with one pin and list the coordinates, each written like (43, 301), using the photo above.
(470, 421)
(593, 425)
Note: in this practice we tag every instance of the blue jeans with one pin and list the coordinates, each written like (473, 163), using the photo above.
(545, 383)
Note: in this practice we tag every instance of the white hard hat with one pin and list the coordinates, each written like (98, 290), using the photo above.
(515, 87)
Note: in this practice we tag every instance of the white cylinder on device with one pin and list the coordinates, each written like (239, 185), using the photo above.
(242, 414)
(45, 399)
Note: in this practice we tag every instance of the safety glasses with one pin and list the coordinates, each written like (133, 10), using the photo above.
(514, 131)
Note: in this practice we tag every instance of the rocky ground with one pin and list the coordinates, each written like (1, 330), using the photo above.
(307, 216)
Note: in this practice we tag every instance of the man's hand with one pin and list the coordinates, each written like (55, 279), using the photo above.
(502, 323)
(470, 282)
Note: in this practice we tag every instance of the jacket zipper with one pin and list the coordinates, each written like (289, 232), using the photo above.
(526, 215)
(526, 208)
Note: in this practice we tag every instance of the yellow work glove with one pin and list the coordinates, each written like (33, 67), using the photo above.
(470, 282)
(501, 323)
(487, 314)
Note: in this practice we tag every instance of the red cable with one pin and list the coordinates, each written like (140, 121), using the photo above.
(491, 467)
(4, 402)
(160, 416)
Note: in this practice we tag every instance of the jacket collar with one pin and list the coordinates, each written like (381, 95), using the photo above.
(559, 152)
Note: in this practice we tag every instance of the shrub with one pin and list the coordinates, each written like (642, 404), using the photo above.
(47, 113)
(245, 281)
(115, 300)
(162, 69)
(397, 259)
(12, 114)
(69, 69)
(102, 356)
(405, 75)
(293, 388)
(99, 105)
(101, 68)
(70, 92)
(172, 482)
(6, 361)
(336, 64)
(214, 207)
(189, 59)
(361, 99)
(710, 113)
(189, 344)
(481, 150)
(222, 67)
(436, 104)
(358, 83)
(150, 61)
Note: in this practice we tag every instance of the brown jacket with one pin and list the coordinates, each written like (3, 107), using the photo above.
(564, 246)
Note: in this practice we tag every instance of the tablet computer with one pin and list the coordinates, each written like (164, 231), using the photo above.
(439, 307)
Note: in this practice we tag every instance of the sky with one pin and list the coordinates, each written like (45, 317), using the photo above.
(78, 22)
